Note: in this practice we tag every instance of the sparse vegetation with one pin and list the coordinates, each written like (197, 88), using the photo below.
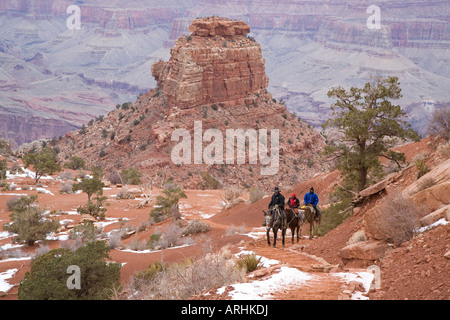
(180, 281)
(131, 176)
(47, 279)
(208, 182)
(420, 163)
(29, 221)
(164, 204)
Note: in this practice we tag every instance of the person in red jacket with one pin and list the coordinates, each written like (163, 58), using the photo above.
(294, 204)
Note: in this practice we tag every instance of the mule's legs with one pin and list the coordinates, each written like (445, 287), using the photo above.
(283, 235)
(293, 233)
(275, 232)
(268, 236)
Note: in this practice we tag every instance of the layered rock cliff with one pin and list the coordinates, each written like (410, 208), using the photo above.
(217, 63)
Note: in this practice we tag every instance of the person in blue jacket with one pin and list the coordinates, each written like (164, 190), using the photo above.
(312, 199)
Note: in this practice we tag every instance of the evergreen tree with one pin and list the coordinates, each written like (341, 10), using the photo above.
(370, 125)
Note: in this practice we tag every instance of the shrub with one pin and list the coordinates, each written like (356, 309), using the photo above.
(66, 175)
(66, 188)
(115, 178)
(75, 163)
(95, 209)
(124, 194)
(196, 226)
(180, 281)
(420, 163)
(131, 176)
(208, 182)
(398, 219)
(165, 203)
(439, 125)
(29, 221)
(47, 279)
(86, 232)
(334, 215)
(256, 194)
(170, 237)
(249, 262)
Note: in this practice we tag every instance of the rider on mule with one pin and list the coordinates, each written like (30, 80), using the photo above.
(277, 200)
(294, 204)
(312, 199)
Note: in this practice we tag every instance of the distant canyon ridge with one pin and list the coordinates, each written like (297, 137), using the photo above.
(54, 79)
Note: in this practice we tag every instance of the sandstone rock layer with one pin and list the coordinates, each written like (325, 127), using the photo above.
(217, 63)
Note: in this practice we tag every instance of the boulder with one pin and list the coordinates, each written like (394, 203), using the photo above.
(366, 250)
(439, 174)
(433, 198)
(435, 216)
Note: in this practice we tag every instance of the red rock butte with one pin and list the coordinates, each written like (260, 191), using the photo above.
(217, 63)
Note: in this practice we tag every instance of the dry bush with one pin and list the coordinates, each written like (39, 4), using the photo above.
(196, 226)
(66, 175)
(181, 281)
(170, 237)
(255, 194)
(427, 182)
(439, 125)
(66, 188)
(398, 219)
(124, 194)
(231, 197)
(358, 236)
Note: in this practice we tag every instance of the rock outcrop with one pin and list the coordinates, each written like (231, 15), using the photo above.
(215, 77)
(217, 63)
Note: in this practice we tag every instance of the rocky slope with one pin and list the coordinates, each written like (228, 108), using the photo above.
(219, 81)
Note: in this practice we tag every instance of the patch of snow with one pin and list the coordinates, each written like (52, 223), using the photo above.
(15, 259)
(441, 222)
(265, 262)
(263, 289)
(366, 278)
(152, 251)
(4, 235)
(4, 285)
(42, 190)
(10, 246)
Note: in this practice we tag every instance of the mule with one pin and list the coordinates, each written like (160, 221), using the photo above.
(308, 213)
(293, 222)
(275, 221)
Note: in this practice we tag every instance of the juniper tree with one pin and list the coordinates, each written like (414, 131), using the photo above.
(370, 125)
(43, 162)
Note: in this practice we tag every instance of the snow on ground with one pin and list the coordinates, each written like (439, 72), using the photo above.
(442, 221)
(263, 289)
(366, 278)
(4, 285)
(4, 235)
